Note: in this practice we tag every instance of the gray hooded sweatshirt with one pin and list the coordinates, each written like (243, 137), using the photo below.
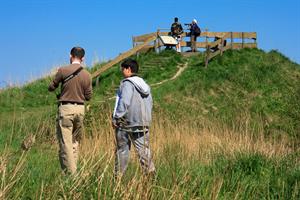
(133, 103)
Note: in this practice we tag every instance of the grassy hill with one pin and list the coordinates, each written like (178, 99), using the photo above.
(227, 131)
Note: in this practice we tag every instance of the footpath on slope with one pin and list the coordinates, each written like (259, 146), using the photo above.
(178, 73)
(181, 68)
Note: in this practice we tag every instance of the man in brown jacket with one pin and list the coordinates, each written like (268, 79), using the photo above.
(76, 88)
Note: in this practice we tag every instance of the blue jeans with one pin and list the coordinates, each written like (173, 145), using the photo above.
(140, 141)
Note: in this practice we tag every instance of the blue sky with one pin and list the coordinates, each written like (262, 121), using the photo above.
(36, 35)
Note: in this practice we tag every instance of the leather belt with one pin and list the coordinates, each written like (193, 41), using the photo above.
(70, 102)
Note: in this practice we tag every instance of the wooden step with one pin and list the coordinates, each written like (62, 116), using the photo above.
(189, 54)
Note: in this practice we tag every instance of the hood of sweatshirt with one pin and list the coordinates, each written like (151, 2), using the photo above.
(141, 86)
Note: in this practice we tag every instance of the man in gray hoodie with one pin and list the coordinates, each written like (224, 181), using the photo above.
(132, 118)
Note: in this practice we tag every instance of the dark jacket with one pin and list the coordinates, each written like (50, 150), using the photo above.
(193, 29)
(176, 29)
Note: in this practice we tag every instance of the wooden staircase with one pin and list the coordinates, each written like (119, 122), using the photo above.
(123, 56)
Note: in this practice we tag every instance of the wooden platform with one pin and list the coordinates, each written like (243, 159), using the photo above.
(151, 41)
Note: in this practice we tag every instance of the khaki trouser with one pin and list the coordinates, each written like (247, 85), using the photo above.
(69, 129)
(194, 43)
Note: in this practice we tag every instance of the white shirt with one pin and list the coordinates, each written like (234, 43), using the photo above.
(75, 62)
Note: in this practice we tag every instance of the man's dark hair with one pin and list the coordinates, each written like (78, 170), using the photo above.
(77, 52)
(176, 19)
(132, 64)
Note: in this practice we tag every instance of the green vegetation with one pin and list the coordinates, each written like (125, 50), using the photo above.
(247, 85)
(229, 131)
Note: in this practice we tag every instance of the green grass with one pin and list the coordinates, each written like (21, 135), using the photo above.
(248, 82)
(249, 93)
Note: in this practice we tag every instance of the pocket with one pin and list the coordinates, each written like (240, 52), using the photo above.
(66, 122)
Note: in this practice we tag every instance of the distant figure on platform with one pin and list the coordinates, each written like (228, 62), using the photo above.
(195, 32)
(76, 88)
(176, 31)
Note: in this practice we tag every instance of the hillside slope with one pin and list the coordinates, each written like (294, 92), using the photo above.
(235, 124)
(247, 83)
(247, 86)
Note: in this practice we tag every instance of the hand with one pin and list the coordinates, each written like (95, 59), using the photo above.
(114, 124)
(87, 108)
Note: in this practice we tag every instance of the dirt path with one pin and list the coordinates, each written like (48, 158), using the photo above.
(181, 68)
(178, 73)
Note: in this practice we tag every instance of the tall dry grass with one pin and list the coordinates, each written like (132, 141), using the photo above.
(189, 142)
(181, 151)
(201, 143)
(10, 175)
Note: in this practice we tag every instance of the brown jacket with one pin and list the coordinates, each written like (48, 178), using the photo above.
(78, 89)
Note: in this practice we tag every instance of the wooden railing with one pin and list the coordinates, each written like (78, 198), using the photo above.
(213, 48)
(152, 41)
(122, 56)
(228, 35)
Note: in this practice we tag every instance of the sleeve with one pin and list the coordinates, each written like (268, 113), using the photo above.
(181, 29)
(125, 94)
(151, 102)
(172, 28)
(88, 90)
(55, 82)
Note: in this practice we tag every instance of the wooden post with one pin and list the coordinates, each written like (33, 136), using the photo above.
(155, 45)
(207, 49)
(221, 46)
(207, 55)
(137, 54)
(255, 42)
(206, 37)
(242, 40)
(231, 36)
(158, 42)
(133, 43)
